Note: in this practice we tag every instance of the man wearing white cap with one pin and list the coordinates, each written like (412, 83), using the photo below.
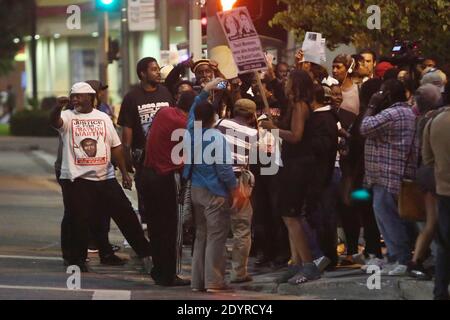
(87, 179)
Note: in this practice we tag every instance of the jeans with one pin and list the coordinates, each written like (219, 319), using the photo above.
(395, 231)
(81, 200)
(443, 253)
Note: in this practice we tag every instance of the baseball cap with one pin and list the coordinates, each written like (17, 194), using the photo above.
(245, 105)
(97, 85)
(381, 69)
(82, 87)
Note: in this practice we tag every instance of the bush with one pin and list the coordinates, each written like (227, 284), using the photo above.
(31, 123)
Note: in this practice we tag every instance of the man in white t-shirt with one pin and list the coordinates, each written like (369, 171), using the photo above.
(87, 177)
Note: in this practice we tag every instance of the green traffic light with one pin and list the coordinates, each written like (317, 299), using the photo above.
(107, 5)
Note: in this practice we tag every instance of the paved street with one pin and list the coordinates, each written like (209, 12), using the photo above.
(31, 267)
(30, 215)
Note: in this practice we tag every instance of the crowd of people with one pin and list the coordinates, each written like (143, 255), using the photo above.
(343, 144)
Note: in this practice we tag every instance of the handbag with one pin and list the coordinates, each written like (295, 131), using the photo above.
(411, 199)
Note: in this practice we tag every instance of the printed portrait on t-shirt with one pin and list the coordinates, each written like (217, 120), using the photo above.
(89, 137)
(89, 147)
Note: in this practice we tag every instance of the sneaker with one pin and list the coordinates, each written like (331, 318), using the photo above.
(224, 289)
(178, 282)
(175, 282)
(198, 290)
(112, 260)
(374, 262)
(322, 263)
(359, 258)
(291, 271)
(399, 270)
(126, 244)
(309, 272)
(388, 267)
(83, 266)
(115, 248)
(247, 278)
(148, 265)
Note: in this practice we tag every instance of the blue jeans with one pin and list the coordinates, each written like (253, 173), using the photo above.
(443, 252)
(395, 231)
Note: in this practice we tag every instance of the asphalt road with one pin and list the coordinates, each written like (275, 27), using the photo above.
(30, 264)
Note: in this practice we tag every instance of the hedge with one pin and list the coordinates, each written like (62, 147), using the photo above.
(31, 123)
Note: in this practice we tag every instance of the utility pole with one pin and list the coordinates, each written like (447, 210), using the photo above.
(103, 27)
(125, 49)
(164, 23)
(33, 50)
(195, 29)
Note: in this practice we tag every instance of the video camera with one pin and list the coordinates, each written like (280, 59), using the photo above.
(406, 53)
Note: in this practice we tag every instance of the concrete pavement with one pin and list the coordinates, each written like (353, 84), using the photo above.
(31, 268)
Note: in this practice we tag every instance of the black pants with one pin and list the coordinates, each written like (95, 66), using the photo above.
(355, 215)
(161, 205)
(99, 225)
(443, 253)
(81, 200)
(270, 234)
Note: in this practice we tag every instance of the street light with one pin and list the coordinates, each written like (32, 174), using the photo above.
(227, 4)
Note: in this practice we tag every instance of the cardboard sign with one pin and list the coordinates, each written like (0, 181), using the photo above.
(243, 40)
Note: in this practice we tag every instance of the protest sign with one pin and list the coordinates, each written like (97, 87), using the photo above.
(243, 40)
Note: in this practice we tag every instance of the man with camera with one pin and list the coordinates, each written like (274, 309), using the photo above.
(390, 155)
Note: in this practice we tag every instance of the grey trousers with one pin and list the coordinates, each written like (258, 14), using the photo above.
(241, 223)
(212, 221)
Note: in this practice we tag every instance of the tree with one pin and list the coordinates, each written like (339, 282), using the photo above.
(15, 23)
(345, 22)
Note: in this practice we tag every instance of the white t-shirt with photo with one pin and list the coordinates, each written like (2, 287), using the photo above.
(87, 141)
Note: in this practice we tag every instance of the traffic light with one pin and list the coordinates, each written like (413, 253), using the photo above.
(204, 24)
(108, 5)
(114, 50)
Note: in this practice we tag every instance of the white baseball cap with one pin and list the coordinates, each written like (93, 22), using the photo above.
(82, 87)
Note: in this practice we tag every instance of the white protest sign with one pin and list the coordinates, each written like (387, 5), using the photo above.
(313, 47)
(141, 15)
(243, 40)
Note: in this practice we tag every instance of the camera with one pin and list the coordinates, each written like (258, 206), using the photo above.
(406, 53)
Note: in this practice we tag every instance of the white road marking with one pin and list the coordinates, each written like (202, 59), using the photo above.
(44, 156)
(98, 294)
(111, 295)
(31, 258)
